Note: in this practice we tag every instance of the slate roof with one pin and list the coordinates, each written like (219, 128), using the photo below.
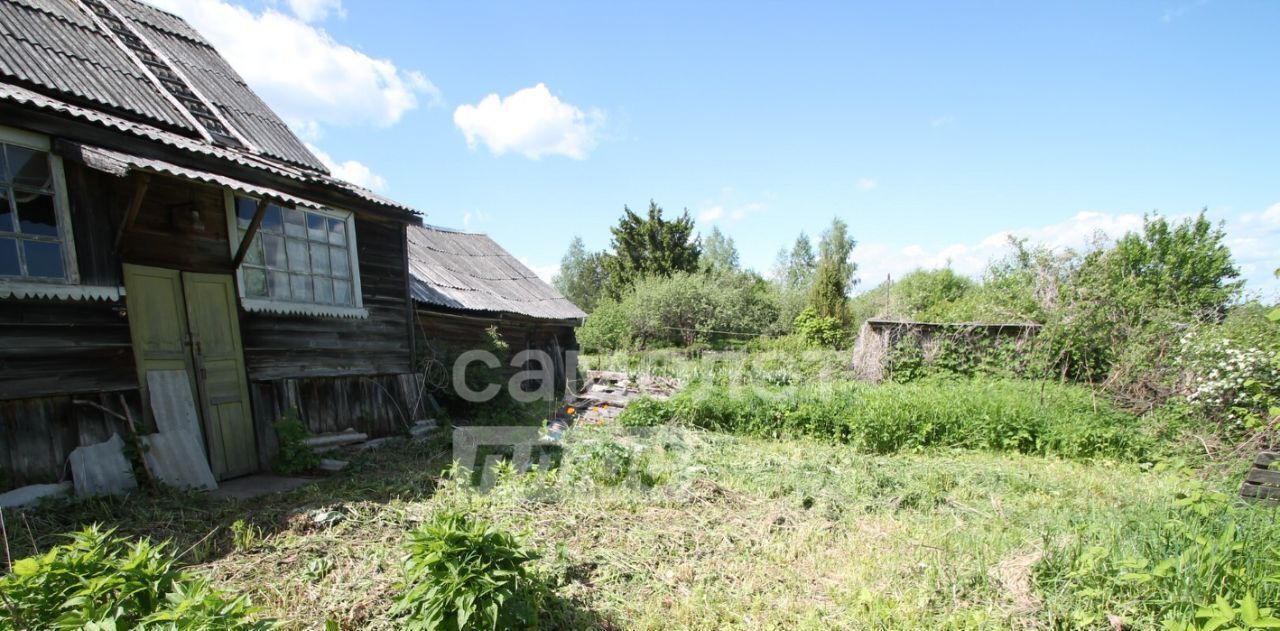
(127, 60)
(471, 272)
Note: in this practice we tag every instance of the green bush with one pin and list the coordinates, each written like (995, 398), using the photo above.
(292, 455)
(644, 412)
(818, 331)
(99, 581)
(1027, 417)
(462, 574)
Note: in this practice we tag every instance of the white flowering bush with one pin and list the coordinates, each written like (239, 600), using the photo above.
(1236, 384)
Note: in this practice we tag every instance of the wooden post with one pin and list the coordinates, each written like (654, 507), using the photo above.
(135, 204)
(250, 233)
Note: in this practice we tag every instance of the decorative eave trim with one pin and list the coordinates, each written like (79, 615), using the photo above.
(55, 291)
(304, 309)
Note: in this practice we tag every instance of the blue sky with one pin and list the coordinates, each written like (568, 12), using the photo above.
(931, 128)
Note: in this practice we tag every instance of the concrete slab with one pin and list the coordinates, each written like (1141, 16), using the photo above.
(172, 403)
(102, 469)
(177, 459)
(27, 495)
(258, 485)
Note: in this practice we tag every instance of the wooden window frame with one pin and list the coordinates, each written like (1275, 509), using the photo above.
(23, 286)
(275, 305)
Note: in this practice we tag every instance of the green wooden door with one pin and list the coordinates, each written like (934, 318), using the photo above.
(219, 363)
(157, 323)
(186, 321)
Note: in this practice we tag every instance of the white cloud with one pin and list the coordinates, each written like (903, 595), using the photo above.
(532, 122)
(941, 121)
(352, 171)
(718, 213)
(316, 10)
(470, 217)
(878, 260)
(1254, 239)
(305, 75)
(867, 184)
(545, 272)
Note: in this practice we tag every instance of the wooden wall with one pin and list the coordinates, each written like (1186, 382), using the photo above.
(380, 405)
(456, 331)
(37, 434)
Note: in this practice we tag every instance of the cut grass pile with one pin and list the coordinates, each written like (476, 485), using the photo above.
(681, 528)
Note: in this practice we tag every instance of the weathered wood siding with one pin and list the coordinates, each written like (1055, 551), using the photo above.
(282, 346)
(37, 434)
(458, 331)
(379, 405)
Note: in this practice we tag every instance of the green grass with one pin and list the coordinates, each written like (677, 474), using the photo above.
(683, 528)
(1020, 416)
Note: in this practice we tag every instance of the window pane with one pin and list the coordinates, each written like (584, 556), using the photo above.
(9, 258)
(254, 255)
(6, 212)
(298, 255)
(319, 259)
(338, 258)
(245, 208)
(273, 249)
(36, 214)
(255, 282)
(337, 231)
(342, 293)
(316, 229)
(324, 290)
(295, 223)
(279, 282)
(28, 167)
(301, 284)
(44, 260)
(271, 220)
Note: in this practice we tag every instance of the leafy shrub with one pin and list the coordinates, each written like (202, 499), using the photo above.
(606, 329)
(292, 455)
(462, 574)
(1201, 561)
(1228, 381)
(1027, 417)
(819, 331)
(644, 412)
(99, 581)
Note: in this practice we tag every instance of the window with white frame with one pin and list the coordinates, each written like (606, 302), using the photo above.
(35, 231)
(298, 256)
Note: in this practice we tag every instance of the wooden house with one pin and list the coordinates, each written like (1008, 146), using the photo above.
(156, 214)
(466, 286)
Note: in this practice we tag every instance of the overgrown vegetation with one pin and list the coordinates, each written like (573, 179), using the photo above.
(1046, 419)
(293, 456)
(100, 581)
(465, 574)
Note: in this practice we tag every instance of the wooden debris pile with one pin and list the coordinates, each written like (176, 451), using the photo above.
(1262, 482)
(604, 394)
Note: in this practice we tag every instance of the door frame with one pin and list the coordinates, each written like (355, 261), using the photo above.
(191, 360)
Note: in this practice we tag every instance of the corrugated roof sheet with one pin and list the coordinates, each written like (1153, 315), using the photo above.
(119, 164)
(30, 98)
(59, 47)
(471, 272)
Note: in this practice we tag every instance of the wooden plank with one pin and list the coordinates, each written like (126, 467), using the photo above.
(1265, 459)
(135, 204)
(1259, 491)
(1263, 476)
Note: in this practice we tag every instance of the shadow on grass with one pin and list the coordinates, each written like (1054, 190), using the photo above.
(199, 525)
